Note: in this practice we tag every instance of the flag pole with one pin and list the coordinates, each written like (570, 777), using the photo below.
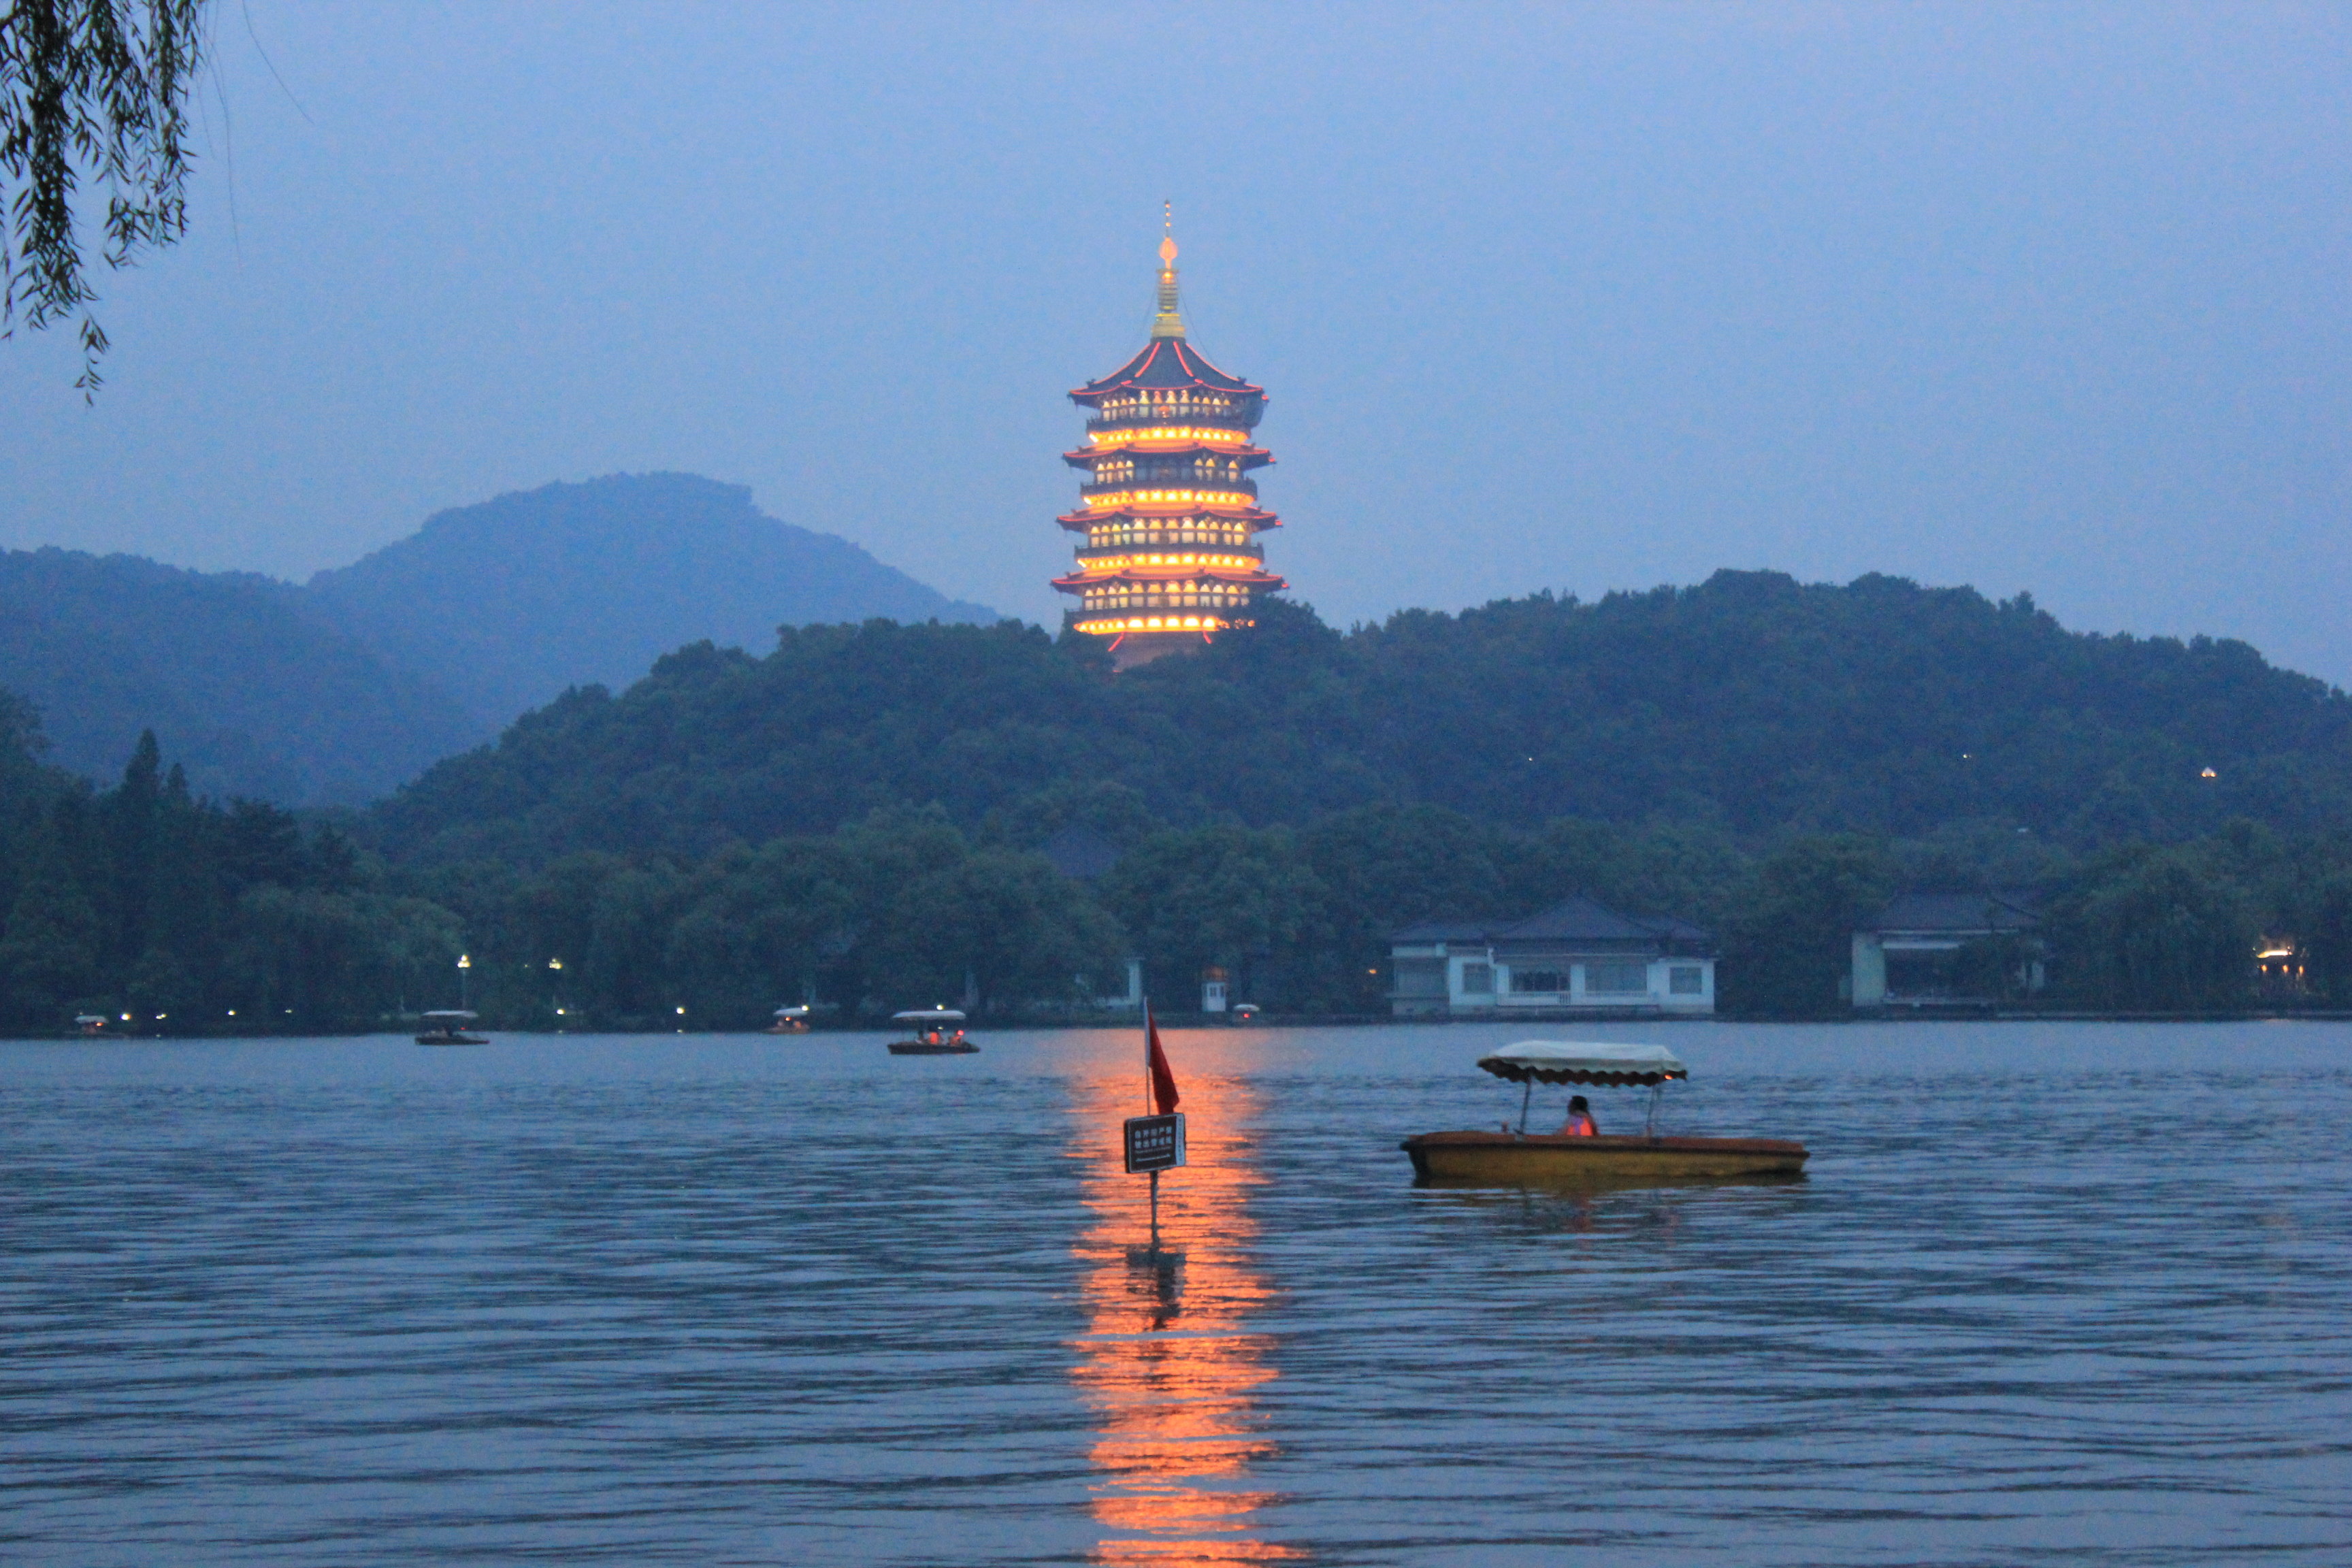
(1151, 1104)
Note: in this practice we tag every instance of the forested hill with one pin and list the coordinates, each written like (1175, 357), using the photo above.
(508, 603)
(335, 692)
(1751, 701)
(241, 684)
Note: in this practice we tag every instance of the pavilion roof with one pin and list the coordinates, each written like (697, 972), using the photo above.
(1966, 914)
(1573, 920)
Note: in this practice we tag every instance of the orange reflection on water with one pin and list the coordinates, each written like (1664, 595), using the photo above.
(1169, 1362)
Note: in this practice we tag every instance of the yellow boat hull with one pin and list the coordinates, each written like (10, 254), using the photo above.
(1540, 1160)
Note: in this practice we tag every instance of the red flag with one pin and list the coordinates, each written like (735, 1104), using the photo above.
(1155, 1061)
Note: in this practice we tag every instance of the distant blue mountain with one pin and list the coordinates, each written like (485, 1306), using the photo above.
(340, 690)
(506, 603)
(239, 682)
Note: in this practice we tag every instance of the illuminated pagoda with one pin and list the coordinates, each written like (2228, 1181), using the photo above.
(1168, 554)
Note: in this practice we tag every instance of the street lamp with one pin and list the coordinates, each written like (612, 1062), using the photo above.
(464, 963)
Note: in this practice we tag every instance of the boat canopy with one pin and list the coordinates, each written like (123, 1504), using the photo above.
(1583, 1061)
(451, 1016)
(928, 1016)
(800, 1012)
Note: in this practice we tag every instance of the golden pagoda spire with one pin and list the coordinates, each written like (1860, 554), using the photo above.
(1169, 323)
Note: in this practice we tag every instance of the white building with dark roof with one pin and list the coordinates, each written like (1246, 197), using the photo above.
(1968, 951)
(1576, 958)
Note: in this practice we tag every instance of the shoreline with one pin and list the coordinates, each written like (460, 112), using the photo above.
(1195, 1021)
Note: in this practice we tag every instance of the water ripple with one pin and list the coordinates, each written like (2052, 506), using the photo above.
(2069, 1295)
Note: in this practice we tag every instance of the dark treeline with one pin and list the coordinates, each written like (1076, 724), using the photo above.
(904, 909)
(233, 919)
(143, 898)
(857, 819)
(1751, 701)
(897, 911)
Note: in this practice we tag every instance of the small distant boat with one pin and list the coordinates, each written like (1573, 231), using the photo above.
(933, 1032)
(447, 1027)
(90, 1022)
(791, 1021)
(1522, 1159)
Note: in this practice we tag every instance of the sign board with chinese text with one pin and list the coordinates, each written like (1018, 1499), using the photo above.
(1155, 1143)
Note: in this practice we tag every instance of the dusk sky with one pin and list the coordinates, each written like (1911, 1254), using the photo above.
(2044, 297)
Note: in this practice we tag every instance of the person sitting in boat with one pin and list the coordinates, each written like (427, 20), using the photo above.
(1580, 1122)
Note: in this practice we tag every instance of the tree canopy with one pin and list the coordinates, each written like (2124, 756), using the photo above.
(197, 916)
(863, 816)
(1750, 701)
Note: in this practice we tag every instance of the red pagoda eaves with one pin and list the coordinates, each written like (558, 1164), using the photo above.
(1164, 365)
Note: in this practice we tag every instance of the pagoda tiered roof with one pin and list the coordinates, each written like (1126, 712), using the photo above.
(1250, 457)
(1080, 521)
(1180, 562)
(1166, 363)
(1151, 576)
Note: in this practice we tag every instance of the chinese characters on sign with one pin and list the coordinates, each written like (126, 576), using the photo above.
(1155, 1143)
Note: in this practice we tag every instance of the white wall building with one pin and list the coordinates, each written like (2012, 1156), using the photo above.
(1577, 957)
(1916, 953)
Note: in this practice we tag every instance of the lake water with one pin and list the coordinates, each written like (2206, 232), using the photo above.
(2075, 1294)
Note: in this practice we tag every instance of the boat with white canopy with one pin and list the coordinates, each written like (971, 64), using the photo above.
(1516, 1157)
(790, 1020)
(933, 1032)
